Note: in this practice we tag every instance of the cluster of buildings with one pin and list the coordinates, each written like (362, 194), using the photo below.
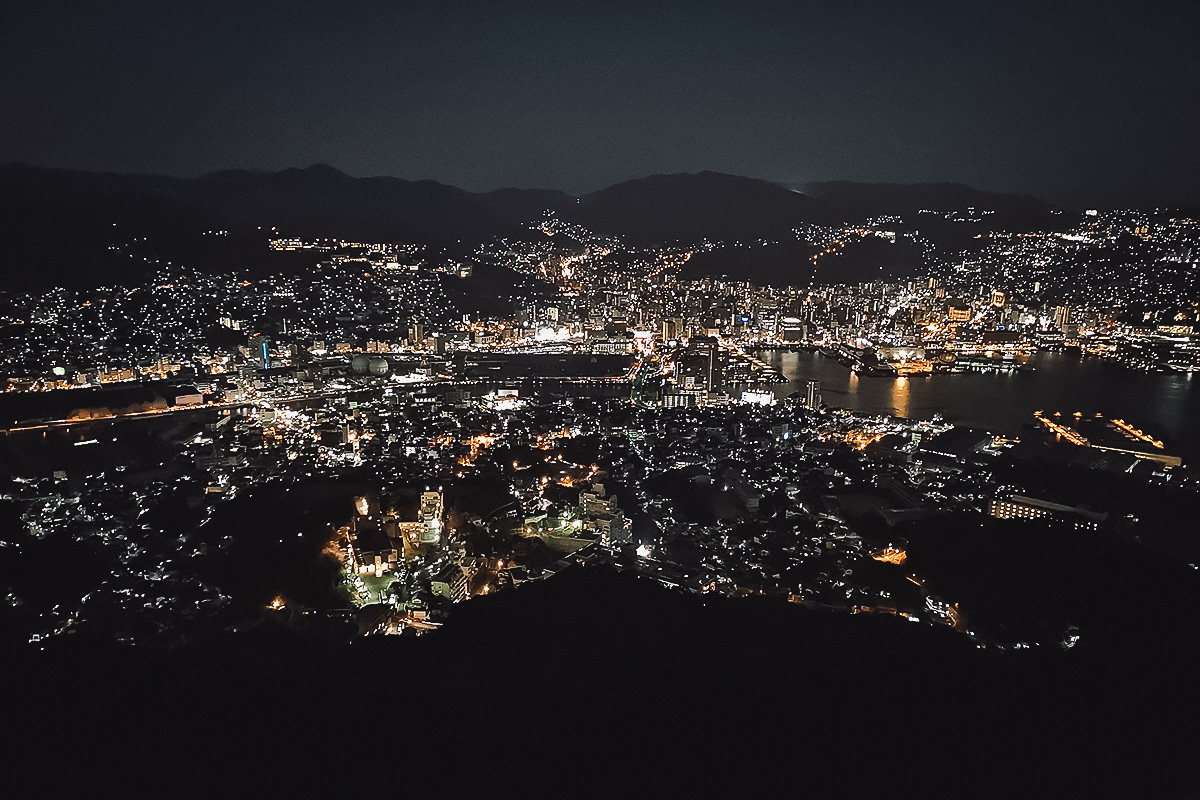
(1119, 284)
(608, 410)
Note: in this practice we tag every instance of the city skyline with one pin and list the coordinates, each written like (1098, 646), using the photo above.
(1080, 104)
(819, 409)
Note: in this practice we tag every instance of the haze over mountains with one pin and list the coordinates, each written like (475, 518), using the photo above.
(56, 226)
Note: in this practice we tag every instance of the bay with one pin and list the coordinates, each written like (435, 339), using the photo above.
(1164, 404)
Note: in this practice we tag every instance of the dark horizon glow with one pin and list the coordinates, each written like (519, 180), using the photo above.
(1079, 103)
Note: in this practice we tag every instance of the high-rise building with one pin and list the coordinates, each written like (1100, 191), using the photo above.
(1062, 317)
(812, 395)
(259, 350)
(792, 330)
(701, 366)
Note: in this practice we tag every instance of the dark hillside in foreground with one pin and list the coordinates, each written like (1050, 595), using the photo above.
(597, 678)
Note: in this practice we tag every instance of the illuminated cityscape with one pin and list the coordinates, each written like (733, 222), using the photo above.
(615, 411)
(635, 403)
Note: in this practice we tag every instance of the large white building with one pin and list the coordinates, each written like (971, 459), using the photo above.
(431, 517)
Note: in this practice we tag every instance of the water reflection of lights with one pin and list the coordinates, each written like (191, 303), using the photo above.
(900, 398)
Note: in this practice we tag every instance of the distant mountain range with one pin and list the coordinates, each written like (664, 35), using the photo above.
(67, 227)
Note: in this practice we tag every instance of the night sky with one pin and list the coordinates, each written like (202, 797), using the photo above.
(1090, 103)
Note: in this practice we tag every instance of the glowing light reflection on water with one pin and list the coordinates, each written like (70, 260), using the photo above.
(1165, 404)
